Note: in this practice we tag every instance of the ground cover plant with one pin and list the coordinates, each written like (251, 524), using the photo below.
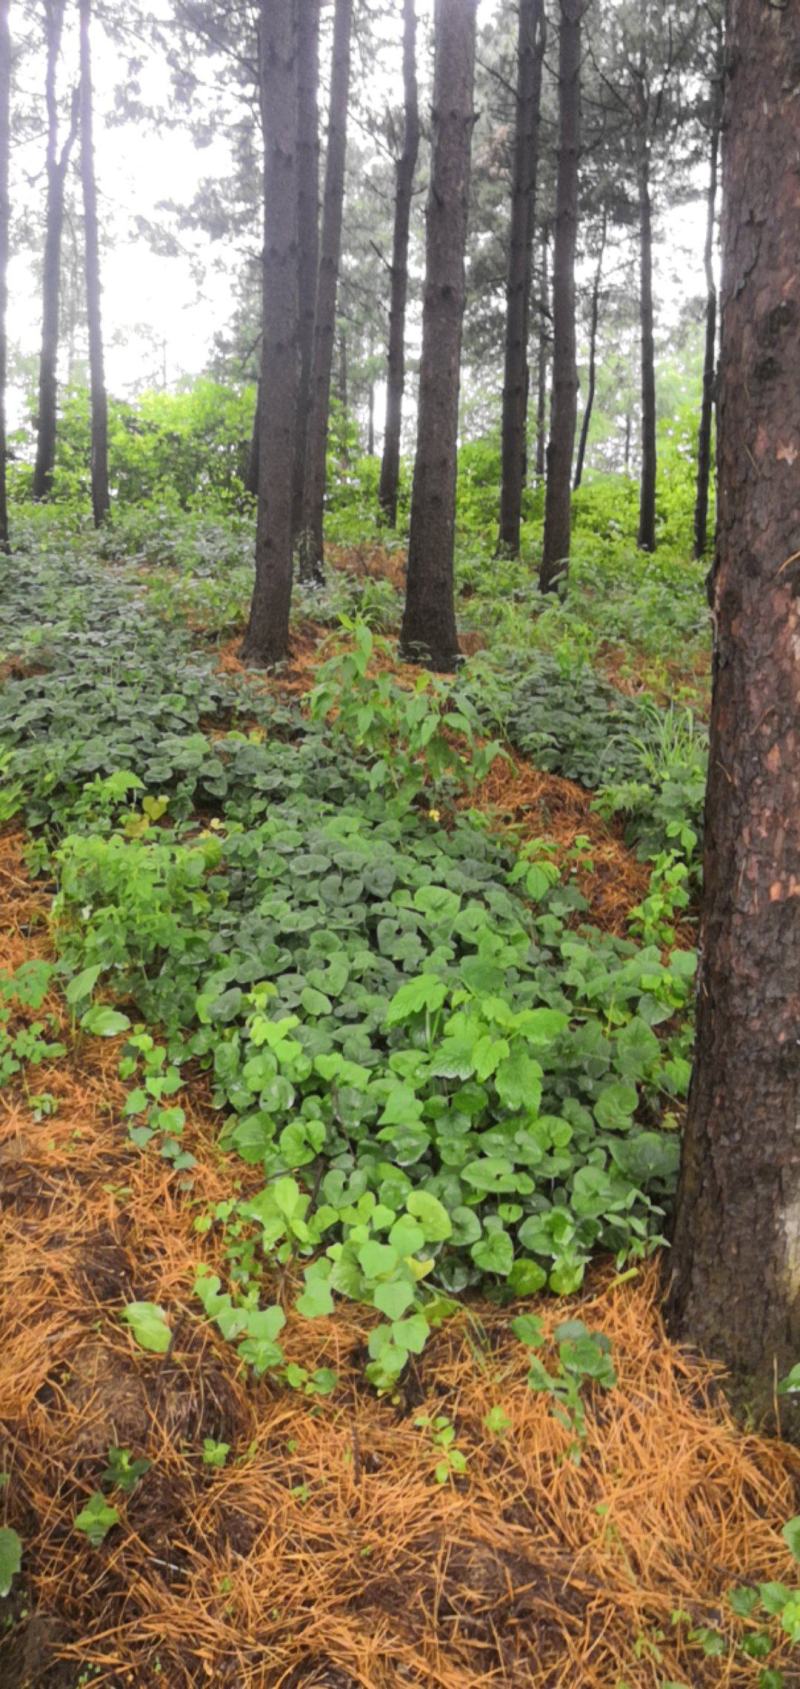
(430, 1086)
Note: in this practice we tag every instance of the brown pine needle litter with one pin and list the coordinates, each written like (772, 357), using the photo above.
(325, 1554)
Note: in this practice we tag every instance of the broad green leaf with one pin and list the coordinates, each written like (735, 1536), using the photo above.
(148, 1324)
(96, 1519)
(519, 1081)
(377, 1260)
(10, 1557)
(494, 1254)
(791, 1535)
(432, 1215)
(104, 1022)
(615, 1106)
(411, 1334)
(426, 992)
(83, 983)
(394, 1298)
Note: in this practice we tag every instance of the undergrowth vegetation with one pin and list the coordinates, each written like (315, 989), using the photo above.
(447, 1076)
(434, 1075)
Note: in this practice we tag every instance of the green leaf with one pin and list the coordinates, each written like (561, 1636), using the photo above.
(494, 1254)
(790, 1618)
(491, 1173)
(791, 1535)
(411, 1334)
(519, 1081)
(790, 1383)
(377, 1260)
(615, 1106)
(528, 1328)
(394, 1298)
(149, 1326)
(316, 1301)
(426, 992)
(83, 983)
(315, 1002)
(406, 1235)
(104, 1022)
(10, 1557)
(432, 1215)
(96, 1519)
(774, 1596)
(544, 1026)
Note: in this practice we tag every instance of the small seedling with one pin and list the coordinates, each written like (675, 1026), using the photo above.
(96, 1519)
(122, 1472)
(215, 1454)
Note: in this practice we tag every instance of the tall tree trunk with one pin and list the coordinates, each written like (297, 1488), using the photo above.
(647, 490)
(311, 537)
(736, 1253)
(343, 384)
(404, 188)
(5, 211)
(57, 162)
(628, 432)
(591, 387)
(429, 631)
(266, 641)
(307, 230)
(710, 357)
(542, 361)
(100, 495)
(558, 495)
(530, 53)
(251, 468)
(371, 420)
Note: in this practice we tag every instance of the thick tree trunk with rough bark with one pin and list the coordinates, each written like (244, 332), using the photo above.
(307, 230)
(736, 1253)
(647, 488)
(57, 163)
(514, 454)
(5, 217)
(404, 188)
(541, 363)
(558, 494)
(101, 502)
(251, 467)
(429, 632)
(710, 356)
(266, 641)
(311, 545)
(591, 385)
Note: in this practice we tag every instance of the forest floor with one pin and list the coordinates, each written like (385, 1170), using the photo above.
(328, 1552)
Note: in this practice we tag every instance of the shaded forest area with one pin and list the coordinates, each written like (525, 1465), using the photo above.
(400, 852)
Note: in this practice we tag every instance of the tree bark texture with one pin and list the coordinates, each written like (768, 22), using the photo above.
(5, 218)
(428, 631)
(541, 364)
(736, 1252)
(307, 229)
(311, 549)
(251, 467)
(266, 641)
(101, 502)
(646, 539)
(57, 163)
(404, 188)
(514, 453)
(591, 385)
(710, 355)
(558, 494)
